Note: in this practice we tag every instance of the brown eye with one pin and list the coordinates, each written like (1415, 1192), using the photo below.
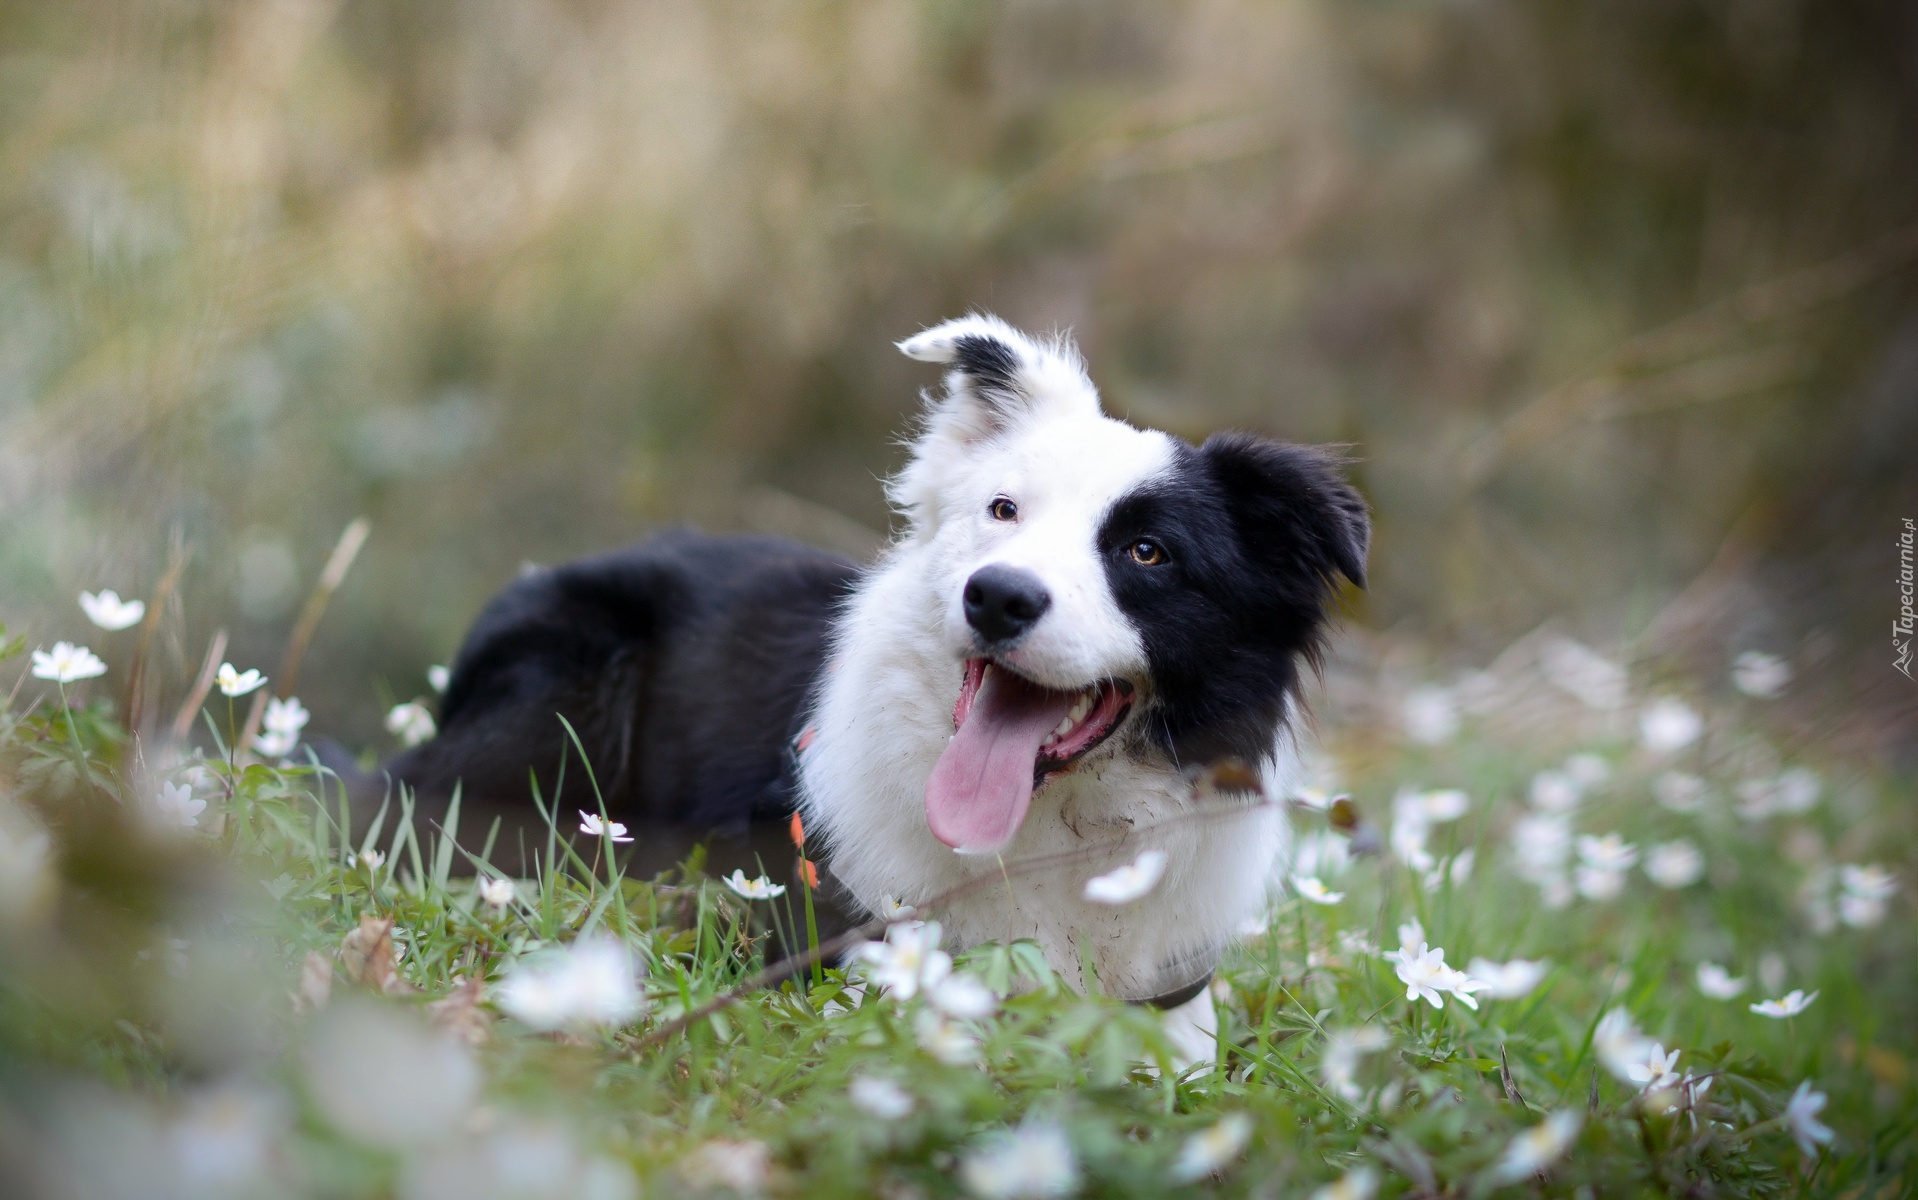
(1147, 553)
(1003, 509)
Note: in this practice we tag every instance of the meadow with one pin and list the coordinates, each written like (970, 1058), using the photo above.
(1552, 927)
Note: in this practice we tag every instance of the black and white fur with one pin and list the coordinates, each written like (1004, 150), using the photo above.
(688, 663)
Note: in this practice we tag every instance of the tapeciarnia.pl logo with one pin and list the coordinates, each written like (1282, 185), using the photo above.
(1901, 629)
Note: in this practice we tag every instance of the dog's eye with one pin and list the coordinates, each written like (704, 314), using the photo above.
(1147, 553)
(1003, 509)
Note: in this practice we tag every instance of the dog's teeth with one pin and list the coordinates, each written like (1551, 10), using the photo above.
(1064, 727)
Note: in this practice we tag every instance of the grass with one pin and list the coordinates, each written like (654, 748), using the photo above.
(260, 1006)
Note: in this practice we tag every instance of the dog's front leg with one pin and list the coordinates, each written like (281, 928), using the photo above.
(1193, 1028)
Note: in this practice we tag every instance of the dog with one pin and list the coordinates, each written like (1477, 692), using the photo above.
(1078, 618)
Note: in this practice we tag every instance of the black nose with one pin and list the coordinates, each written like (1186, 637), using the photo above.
(1004, 602)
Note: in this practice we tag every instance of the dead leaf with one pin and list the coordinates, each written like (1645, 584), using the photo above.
(366, 957)
(459, 1012)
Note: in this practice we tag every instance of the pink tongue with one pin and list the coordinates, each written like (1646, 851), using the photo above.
(979, 790)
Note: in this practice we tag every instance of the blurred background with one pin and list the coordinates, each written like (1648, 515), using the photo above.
(1616, 301)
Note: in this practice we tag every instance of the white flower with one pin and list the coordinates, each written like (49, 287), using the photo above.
(1323, 854)
(275, 745)
(237, 683)
(1213, 1149)
(1675, 864)
(1679, 792)
(372, 860)
(1760, 675)
(1360, 1183)
(1507, 980)
(1541, 844)
(67, 663)
(592, 982)
(1032, 1162)
(963, 996)
(1609, 853)
(175, 805)
(892, 910)
(1431, 715)
(741, 1167)
(1411, 936)
(1789, 1005)
(1339, 1061)
(1311, 888)
(1555, 792)
(1652, 1068)
(1539, 1147)
(1801, 1117)
(909, 960)
(1863, 895)
(761, 888)
(1588, 770)
(1126, 884)
(1409, 833)
(437, 677)
(1789, 792)
(945, 1039)
(1667, 725)
(285, 716)
(1619, 1045)
(496, 891)
(1594, 679)
(591, 825)
(1444, 804)
(110, 612)
(1424, 974)
(411, 723)
(1457, 868)
(1718, 983)
(1596, 883)
(879, 1097)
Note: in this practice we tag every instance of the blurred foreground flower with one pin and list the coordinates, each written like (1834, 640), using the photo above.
(176, 806)
(945, 1039)
(1675, 865)
(496, 891)
(761, 888)
(1789, 1005)
(1603, 862)
(1801, 1116)
(739, 1166)
(908, 960)
(1620, 1046)
(1668, 725)
(410, 722)
(1339, 1061)
(1032, 1162)
(227, 1139)
(1130, 882)
(878, 1097)
(1311, 888)
(1596, 681)
(1360, 1183)
(1539, 1147)
(437, 677)
(1507, 980)
(1759, 675)
(521, 1160)
(109, 612)
(1679, 792)
(383, 1077)
(1431, 715)
(1718, 983)
(593, 982)
(1214, 1149)
(1864, 891)
(234, 683)
(67, 663)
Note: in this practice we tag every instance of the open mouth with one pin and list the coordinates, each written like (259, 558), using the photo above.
(1010, 735)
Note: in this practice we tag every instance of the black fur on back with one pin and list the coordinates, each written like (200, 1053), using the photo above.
(1257, 533)
(684, 663)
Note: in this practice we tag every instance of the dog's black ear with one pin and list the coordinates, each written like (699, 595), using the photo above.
(1292, 501)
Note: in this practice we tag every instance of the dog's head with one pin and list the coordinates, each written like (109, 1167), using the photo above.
(1102, 586)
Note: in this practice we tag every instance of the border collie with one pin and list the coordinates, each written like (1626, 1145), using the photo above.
(1078, 617)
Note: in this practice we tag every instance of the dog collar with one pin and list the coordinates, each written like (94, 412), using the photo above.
(1178, 996)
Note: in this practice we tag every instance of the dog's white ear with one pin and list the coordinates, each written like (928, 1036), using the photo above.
(999, 375)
